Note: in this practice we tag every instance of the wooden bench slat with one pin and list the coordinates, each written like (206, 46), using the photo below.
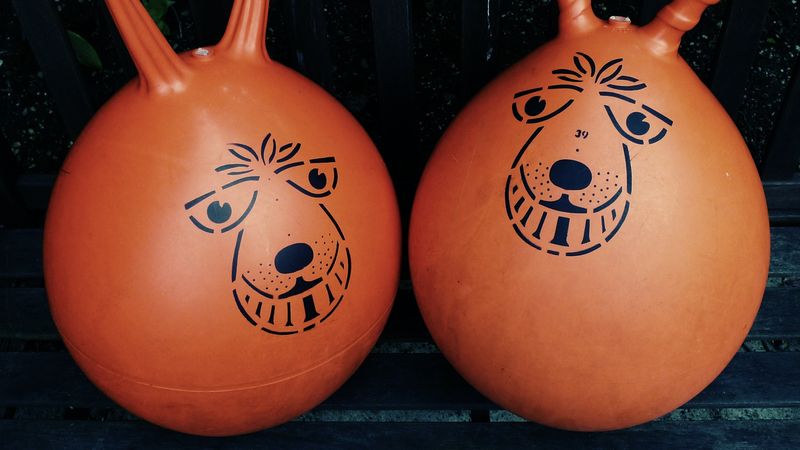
(21, 253)
(401, 382)
(779, 316)
(24, 314)
(785, 256)
(42, 434)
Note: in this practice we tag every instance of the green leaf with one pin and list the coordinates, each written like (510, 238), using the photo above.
(158, 10)
(84, 52)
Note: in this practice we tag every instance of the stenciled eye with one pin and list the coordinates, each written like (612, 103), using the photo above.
(219, 213)
(224, 208)
(316, 177)
(540, 104)
(639, 124)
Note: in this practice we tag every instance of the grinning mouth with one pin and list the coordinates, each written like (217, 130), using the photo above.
(300, 286)
(563, 204)
(560, 227)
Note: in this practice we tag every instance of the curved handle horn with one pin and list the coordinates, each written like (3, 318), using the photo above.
(160, 69)
(577, 17)
(664, 33)
(246, 33)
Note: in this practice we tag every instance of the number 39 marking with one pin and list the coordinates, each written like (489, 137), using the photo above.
(581, 134)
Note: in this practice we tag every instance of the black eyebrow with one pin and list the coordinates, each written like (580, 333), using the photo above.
(526, 92)
(566, 86)
(197, 200)
(230, 166)
(287, 166)
(635, 87)
(619, 96)
(657, 114)
(328, 159)
(240, 180)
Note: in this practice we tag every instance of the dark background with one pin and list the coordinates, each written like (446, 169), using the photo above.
(38, 140)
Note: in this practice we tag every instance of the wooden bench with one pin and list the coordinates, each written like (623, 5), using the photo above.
(405, 394)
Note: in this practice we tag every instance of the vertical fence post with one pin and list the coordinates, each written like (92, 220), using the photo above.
(394, 61)
(738, 51)
(48, 39)
(781, 161)
(309, 32)
(479, 28)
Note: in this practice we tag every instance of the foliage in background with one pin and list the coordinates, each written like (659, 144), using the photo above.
(86, 53)
(158, 11)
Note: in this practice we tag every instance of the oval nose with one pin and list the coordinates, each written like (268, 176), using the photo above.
(570, 174)
(294, 257)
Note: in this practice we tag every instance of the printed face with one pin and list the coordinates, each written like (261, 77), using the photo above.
(300, 278)
(556, 199)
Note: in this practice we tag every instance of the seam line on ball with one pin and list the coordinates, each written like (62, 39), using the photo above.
(238, 387)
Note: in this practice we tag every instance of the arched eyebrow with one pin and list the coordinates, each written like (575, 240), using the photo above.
(619, 96)
(327, 159)
(287, 166)
(566, 86)
(192, 203)
(526, 92)
(240, 180)
(652, 111)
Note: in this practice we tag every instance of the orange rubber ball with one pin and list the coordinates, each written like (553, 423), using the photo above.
(222, 246)
(590, 243)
